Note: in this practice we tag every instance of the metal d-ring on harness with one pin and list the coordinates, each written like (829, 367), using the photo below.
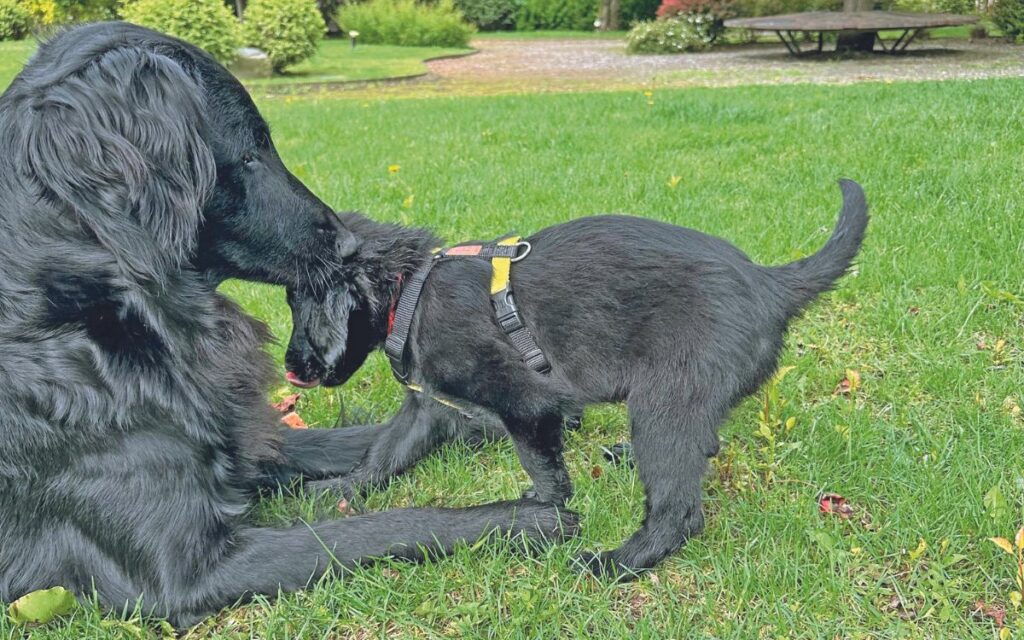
(502, 253)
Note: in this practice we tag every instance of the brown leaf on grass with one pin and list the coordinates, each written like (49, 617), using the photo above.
(596, 471)
(996, 612)
(849, 384)
(914, 310)
(345, 508)
(287, 404)
(294, 421)
(898, 607)
(836, 505)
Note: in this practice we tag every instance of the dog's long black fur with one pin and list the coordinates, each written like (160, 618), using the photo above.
(135, 175)
(677, 324)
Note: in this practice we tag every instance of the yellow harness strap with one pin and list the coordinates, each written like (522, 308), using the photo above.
(501, 267)
(448, 403)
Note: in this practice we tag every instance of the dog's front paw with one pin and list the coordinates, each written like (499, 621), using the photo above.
(604, 565)
(543, 522)
(559, 499)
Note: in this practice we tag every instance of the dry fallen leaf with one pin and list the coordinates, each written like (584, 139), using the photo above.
(896, 605)
(994, 611)
(835, 504)
(287, 404)
(294, 421)
(596, 471)
(849, 384)
(344, 507)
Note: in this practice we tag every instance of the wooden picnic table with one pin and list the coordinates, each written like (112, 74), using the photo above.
(850, 22)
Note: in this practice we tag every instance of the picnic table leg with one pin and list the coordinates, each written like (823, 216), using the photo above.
(821, 40)
(896, 48)
(793, 47)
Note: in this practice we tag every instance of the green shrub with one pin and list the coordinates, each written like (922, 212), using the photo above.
(86, 10)
(669, 35)
(572, 15)
(15, 20)
(208, 24)
(1008, 16)
(490, 15)
(43, 12)
(406, 23)
(930, 6)
(288, 30)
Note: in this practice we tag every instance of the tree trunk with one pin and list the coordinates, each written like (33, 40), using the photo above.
(240, 8)
(856, 40)
(608, 15)
(613, 15)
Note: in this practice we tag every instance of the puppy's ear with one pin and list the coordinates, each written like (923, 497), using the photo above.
(326, 322)
(119, 143)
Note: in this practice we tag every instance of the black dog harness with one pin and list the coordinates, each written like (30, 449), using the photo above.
(502, 254)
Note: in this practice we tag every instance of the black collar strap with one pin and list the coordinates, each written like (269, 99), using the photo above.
(502, 254)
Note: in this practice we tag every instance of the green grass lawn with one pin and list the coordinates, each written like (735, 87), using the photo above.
(932, 319)
(335, 61)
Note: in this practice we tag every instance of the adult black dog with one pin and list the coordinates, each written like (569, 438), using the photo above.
(135, 175)
(679, 325)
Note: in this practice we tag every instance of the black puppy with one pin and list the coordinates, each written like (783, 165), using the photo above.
(677, 324)
(135, 175)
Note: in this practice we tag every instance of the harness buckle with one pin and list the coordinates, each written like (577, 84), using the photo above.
(506, 311)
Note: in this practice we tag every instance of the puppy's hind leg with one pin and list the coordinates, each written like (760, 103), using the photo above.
(673, 437)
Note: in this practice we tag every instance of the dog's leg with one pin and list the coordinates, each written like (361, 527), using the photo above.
(419, 428)
(672, 441)
(266, 561)
(531, 406)
(539, 447)
(317, 453)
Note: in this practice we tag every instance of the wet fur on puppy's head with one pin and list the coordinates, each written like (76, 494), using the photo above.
(335, 327)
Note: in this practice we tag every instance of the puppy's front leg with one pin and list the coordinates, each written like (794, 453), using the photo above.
(539, 446)
(532, 406)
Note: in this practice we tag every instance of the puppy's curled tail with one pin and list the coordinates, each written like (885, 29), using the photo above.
(807, 278)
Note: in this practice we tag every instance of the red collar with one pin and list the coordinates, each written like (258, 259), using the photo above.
(394, 303)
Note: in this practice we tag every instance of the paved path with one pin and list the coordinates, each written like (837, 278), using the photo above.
(566, 65)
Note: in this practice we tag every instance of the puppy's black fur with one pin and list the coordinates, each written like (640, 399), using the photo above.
(135, 175)
(677, 324)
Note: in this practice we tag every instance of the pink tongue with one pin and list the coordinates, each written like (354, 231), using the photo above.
(299, 382)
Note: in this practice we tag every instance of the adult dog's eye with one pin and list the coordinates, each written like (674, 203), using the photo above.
(248, 159)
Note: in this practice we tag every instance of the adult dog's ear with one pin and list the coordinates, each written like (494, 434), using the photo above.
(119, 142)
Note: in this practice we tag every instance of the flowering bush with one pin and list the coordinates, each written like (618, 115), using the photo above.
(668, 35)
(706, 16)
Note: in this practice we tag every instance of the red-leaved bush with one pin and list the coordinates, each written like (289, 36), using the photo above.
(672, 8)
